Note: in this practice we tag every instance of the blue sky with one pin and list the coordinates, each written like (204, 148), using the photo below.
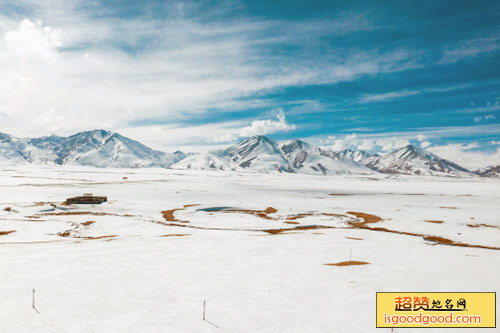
(371, 75)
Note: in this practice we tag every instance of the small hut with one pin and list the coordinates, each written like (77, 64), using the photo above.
(86, 199)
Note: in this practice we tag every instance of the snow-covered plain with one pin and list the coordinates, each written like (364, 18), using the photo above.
(154, 274)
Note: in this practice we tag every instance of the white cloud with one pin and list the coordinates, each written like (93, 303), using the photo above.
(352, 141)
(425, 144)
(32, 41)
(268, 126)
(366, 145)
(478, 119)
(464, 156)
(228, 137)
(421, 137)
(390, 144)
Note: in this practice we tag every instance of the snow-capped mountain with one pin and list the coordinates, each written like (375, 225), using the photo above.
(411, 160)
(261, 154)
(19, 151)
(491, 171)
(257, 153)
(305, 158)
(358, 156)
(98, 148)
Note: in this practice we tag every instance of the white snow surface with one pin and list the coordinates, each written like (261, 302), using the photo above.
(252, 281)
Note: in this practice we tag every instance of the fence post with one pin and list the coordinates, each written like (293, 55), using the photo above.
(33, 301)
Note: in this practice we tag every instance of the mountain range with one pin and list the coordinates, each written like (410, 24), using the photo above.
(98, 148)
(101, 148)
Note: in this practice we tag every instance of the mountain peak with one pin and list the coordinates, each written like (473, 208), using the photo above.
(411, 160)
(293, 145)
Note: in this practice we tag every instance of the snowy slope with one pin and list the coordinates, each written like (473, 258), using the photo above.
(411, 160)
(358, 156)
(98, 148)
(492, 171)
(16, 151)
(261, 154)
(107, 149)
(258, 153)
(305, 158)
(203, 161)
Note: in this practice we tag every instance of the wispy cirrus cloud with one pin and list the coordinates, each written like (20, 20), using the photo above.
(394, 95)
(471, 48)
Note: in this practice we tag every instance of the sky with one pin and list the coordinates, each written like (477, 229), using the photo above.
(199, 75)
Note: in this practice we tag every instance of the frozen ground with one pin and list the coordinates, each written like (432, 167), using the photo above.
(124, 266)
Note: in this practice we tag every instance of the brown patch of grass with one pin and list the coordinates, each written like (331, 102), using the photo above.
(355, 238)
(99, 237)
(436, 239)
(291, 222)
(434, 221)
(482, 225)
(276, 231)
(168, 215)
(175, 235)
(6, 232)
(299, 216)
(260, 213)
(333, 214)
(269, 231)
(85, 213)
(7, 209)
(367, 218)
(64, 233)
(88, 223)
(448, 207)
(270, 210)
(446, 241)
(35, 242)
(191, 205)
(349, 263)
(306, 227)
